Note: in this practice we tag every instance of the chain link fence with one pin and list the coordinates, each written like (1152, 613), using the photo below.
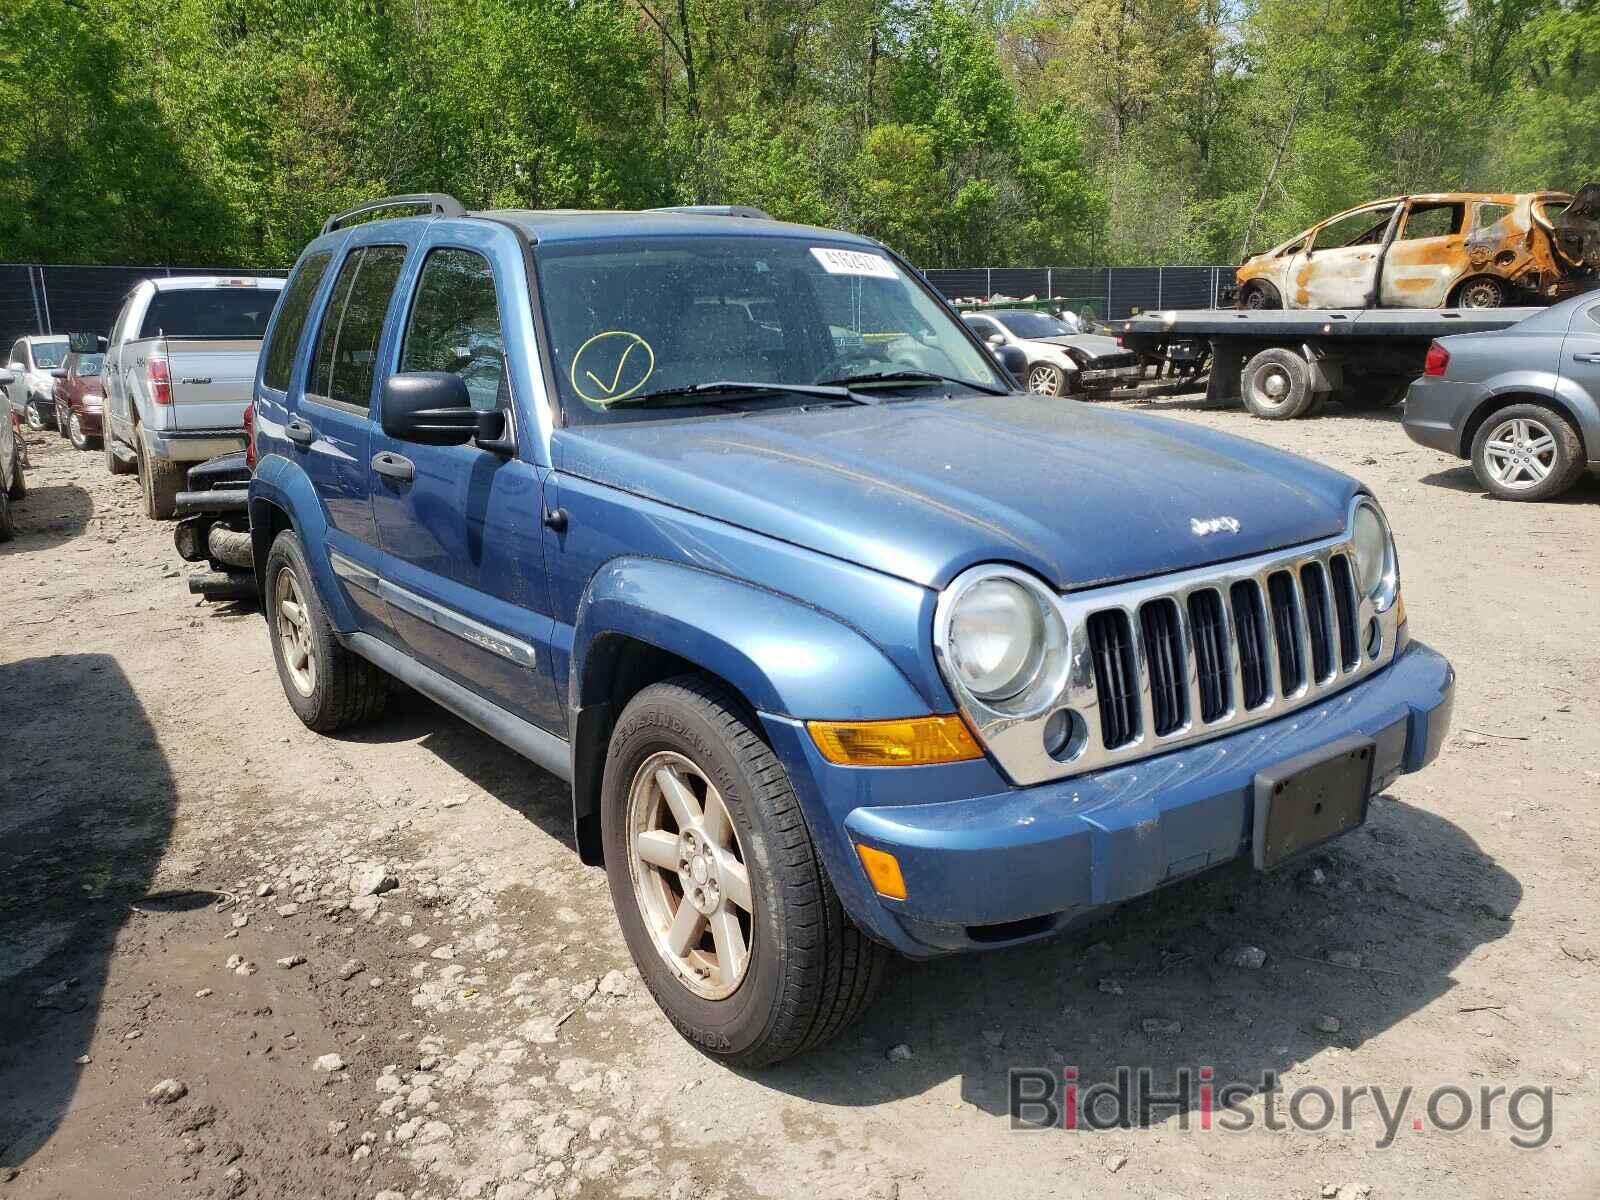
(63, 298)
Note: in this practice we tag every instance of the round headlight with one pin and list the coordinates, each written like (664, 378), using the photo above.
(1377, 573)
(996, 638)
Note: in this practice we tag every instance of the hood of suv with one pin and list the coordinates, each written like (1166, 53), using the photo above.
(924, 489)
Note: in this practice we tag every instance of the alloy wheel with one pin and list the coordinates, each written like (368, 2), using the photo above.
(1521, 453)
(690, 875)
(1042, 381)
(294, 631)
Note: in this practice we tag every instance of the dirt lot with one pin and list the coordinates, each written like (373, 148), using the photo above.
(405, 899)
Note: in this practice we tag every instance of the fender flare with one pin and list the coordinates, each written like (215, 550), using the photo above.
(1542, 387)
(278, 483)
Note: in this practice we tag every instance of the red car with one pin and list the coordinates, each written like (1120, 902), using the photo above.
(78, 396)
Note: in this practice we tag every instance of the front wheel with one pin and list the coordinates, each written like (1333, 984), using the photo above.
(721, 895)
(1526, 452)
(1046, 379)
(75, 434)
(34, 415)
(62, 422)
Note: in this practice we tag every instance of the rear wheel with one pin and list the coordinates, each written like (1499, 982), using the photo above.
(1526, 452)
(328, 687)
(1482, 292)
(722, 898)
(1373, 393)
(1276, 385)
(19, 481)
(7, 529)
(161, 480)
(114, 464)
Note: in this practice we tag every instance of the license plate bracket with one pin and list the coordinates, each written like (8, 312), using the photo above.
(1305, 801)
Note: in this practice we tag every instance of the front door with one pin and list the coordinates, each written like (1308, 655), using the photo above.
(459, 526)
(1426, 256)
(1580, 354)
(1339, 263)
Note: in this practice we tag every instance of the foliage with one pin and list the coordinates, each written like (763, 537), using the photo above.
(961, 132)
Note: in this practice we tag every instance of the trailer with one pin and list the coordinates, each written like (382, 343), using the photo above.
(1285, 363)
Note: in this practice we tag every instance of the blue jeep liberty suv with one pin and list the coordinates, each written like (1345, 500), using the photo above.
(845, 644)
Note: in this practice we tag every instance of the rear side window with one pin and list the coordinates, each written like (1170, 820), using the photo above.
(209, 312)
(295, 306)
(455, 326)
(352, 326)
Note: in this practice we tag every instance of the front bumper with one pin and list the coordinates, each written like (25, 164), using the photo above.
(1019, 863)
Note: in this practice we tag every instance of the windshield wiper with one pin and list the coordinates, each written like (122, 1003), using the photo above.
(663, 396)
(918, 376)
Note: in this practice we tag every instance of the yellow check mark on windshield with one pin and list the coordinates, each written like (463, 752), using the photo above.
(615, 379)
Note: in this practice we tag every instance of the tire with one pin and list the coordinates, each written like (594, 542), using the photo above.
(1259, 296)
(75, 434)
(1276, 385)
(1046, 379)
(1514, 445)
(8, 530)
(114, 464)
(62, 421)
(809, 971)
(334, 689)
(161, 480)
(19, 481)
(34, 415)
(1483, 292)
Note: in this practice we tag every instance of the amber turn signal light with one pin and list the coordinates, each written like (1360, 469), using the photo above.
(913, 742)
(884, 872)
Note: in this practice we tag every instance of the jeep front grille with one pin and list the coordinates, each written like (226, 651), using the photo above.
(1173, 660)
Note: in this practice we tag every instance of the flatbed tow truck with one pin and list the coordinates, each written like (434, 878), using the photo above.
(1285, 363)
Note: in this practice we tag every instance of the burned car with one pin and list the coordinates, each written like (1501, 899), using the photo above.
(1446, 250)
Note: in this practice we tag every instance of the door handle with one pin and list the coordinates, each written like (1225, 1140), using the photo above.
(1586, 358)
(299, 432)
(394, 466)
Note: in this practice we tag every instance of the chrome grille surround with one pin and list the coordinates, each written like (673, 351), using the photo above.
(1017, 739)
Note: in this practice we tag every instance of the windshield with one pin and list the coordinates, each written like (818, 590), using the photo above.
(1032, 324)
(49, 355)
(89, 365)
(632, 317)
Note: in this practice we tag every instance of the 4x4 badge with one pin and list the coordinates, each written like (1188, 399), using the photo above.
(1200, 528)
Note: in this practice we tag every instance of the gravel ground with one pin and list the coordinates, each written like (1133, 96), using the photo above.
(239, 959)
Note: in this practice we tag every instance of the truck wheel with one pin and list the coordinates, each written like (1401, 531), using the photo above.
(1276, 385)
(1258, 296)
(328, 687)
(721, 895)
(114, 464)
(1526, 452)
(1045, 379)
(1482, 292)
(161, 480)
(1373, 393)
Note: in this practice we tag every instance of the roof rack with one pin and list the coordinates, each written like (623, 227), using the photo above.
(716, 210)
(438, 203)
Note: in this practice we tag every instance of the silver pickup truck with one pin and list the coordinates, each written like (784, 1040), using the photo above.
(178, 372)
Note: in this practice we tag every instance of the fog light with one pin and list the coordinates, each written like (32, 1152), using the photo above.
(884, 872)
(914, 742)
(1065, 733)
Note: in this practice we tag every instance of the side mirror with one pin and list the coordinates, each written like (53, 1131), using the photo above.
(1015, 361)
(433, 409)
(59, 373)
(996, 339)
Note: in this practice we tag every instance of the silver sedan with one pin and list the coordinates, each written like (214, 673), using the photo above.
(1522, 403)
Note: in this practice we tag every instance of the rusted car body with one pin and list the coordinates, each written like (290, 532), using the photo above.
(1447, 249)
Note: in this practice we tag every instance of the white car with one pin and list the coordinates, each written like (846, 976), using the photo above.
(32, 389)
(1061, 360)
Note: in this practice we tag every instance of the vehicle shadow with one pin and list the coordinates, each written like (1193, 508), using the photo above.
(79, 847)
(1461, 479)
(496, 769)
(47, 517)
(1411, 894)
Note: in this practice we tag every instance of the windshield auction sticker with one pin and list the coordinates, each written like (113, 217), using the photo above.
(611, 366)
(853, 262)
